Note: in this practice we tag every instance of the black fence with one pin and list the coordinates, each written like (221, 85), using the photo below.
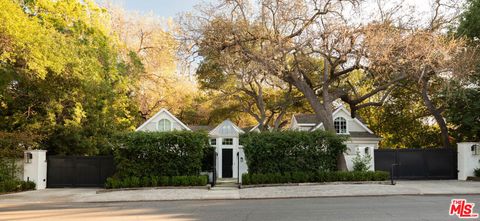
(439, 163)
(78, 171)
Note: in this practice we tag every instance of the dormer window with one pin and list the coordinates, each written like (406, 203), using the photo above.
(164, 125)
(340, 125)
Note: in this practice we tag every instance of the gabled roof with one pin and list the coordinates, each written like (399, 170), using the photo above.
(226, 128)
(310, 119)
(163, 110)
(362, 135)
(201, 128)
(306, 118)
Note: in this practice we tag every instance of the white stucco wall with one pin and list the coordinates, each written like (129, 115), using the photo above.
(467, 161)
(359, 147)
(243, 163)
(36, 170)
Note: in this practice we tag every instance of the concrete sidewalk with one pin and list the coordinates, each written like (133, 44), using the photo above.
(443, 187)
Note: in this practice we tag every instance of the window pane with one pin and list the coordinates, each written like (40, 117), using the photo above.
(164, 125)
(213, 141)
(227, 141)
(168, 125)
(161, 125)
(340, 125)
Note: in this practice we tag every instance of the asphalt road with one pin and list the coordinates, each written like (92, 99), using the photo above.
(344, 208)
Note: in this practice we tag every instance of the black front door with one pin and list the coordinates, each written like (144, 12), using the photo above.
(227, 162)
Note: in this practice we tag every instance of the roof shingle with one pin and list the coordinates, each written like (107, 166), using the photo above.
(306, 118)
(362, 135)
(201, 127)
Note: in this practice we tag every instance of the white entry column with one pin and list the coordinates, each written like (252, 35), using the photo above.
(468, 159)
(35, 168)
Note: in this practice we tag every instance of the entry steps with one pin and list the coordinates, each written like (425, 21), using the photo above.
(226, 183)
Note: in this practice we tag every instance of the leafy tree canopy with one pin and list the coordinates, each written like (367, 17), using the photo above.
(62, 76)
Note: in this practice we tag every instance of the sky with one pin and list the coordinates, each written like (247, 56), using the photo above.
(171, 8)
(162, 8)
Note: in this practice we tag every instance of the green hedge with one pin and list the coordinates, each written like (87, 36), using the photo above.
(8, 186)
(290, 151)
(145, 154)
(154, 181)
(313, 177)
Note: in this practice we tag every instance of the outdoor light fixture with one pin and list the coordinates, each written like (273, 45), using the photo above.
(241, 159)
(475, 149)
(366, 150)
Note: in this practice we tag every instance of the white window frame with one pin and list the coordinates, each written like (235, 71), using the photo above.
(164, 128)
(224, 143)
(28, 157)
(340, 126)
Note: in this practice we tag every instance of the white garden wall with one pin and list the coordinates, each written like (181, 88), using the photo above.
(468, 159)
(35, 168)
(352, 151)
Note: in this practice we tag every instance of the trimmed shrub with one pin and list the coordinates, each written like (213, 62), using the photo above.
(316, 177)
(165, 181)
(28, 185)
(361, 163)
(292, 151)
(146, 154)
(146, 182)
(153, 181)
(208, 156)
(11, 186)
(7, 186)
(113, 183)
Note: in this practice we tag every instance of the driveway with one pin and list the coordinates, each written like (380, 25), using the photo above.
(443, 187)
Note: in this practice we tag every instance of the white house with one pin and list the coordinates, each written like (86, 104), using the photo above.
(230, 158)
(362, 140)
(163, 121)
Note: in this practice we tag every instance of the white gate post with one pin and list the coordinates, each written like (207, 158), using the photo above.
(468, 159)
(35, 168)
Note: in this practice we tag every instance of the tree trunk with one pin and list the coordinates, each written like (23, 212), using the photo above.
(323, 112)
(278, 121)
(437, 114)
(317, 106)
(327, 105)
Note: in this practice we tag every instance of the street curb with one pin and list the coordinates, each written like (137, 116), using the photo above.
(314, 184)
(302, 197)
(207, 187)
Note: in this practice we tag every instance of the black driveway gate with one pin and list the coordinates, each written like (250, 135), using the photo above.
(438, 163)
(78, 171)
